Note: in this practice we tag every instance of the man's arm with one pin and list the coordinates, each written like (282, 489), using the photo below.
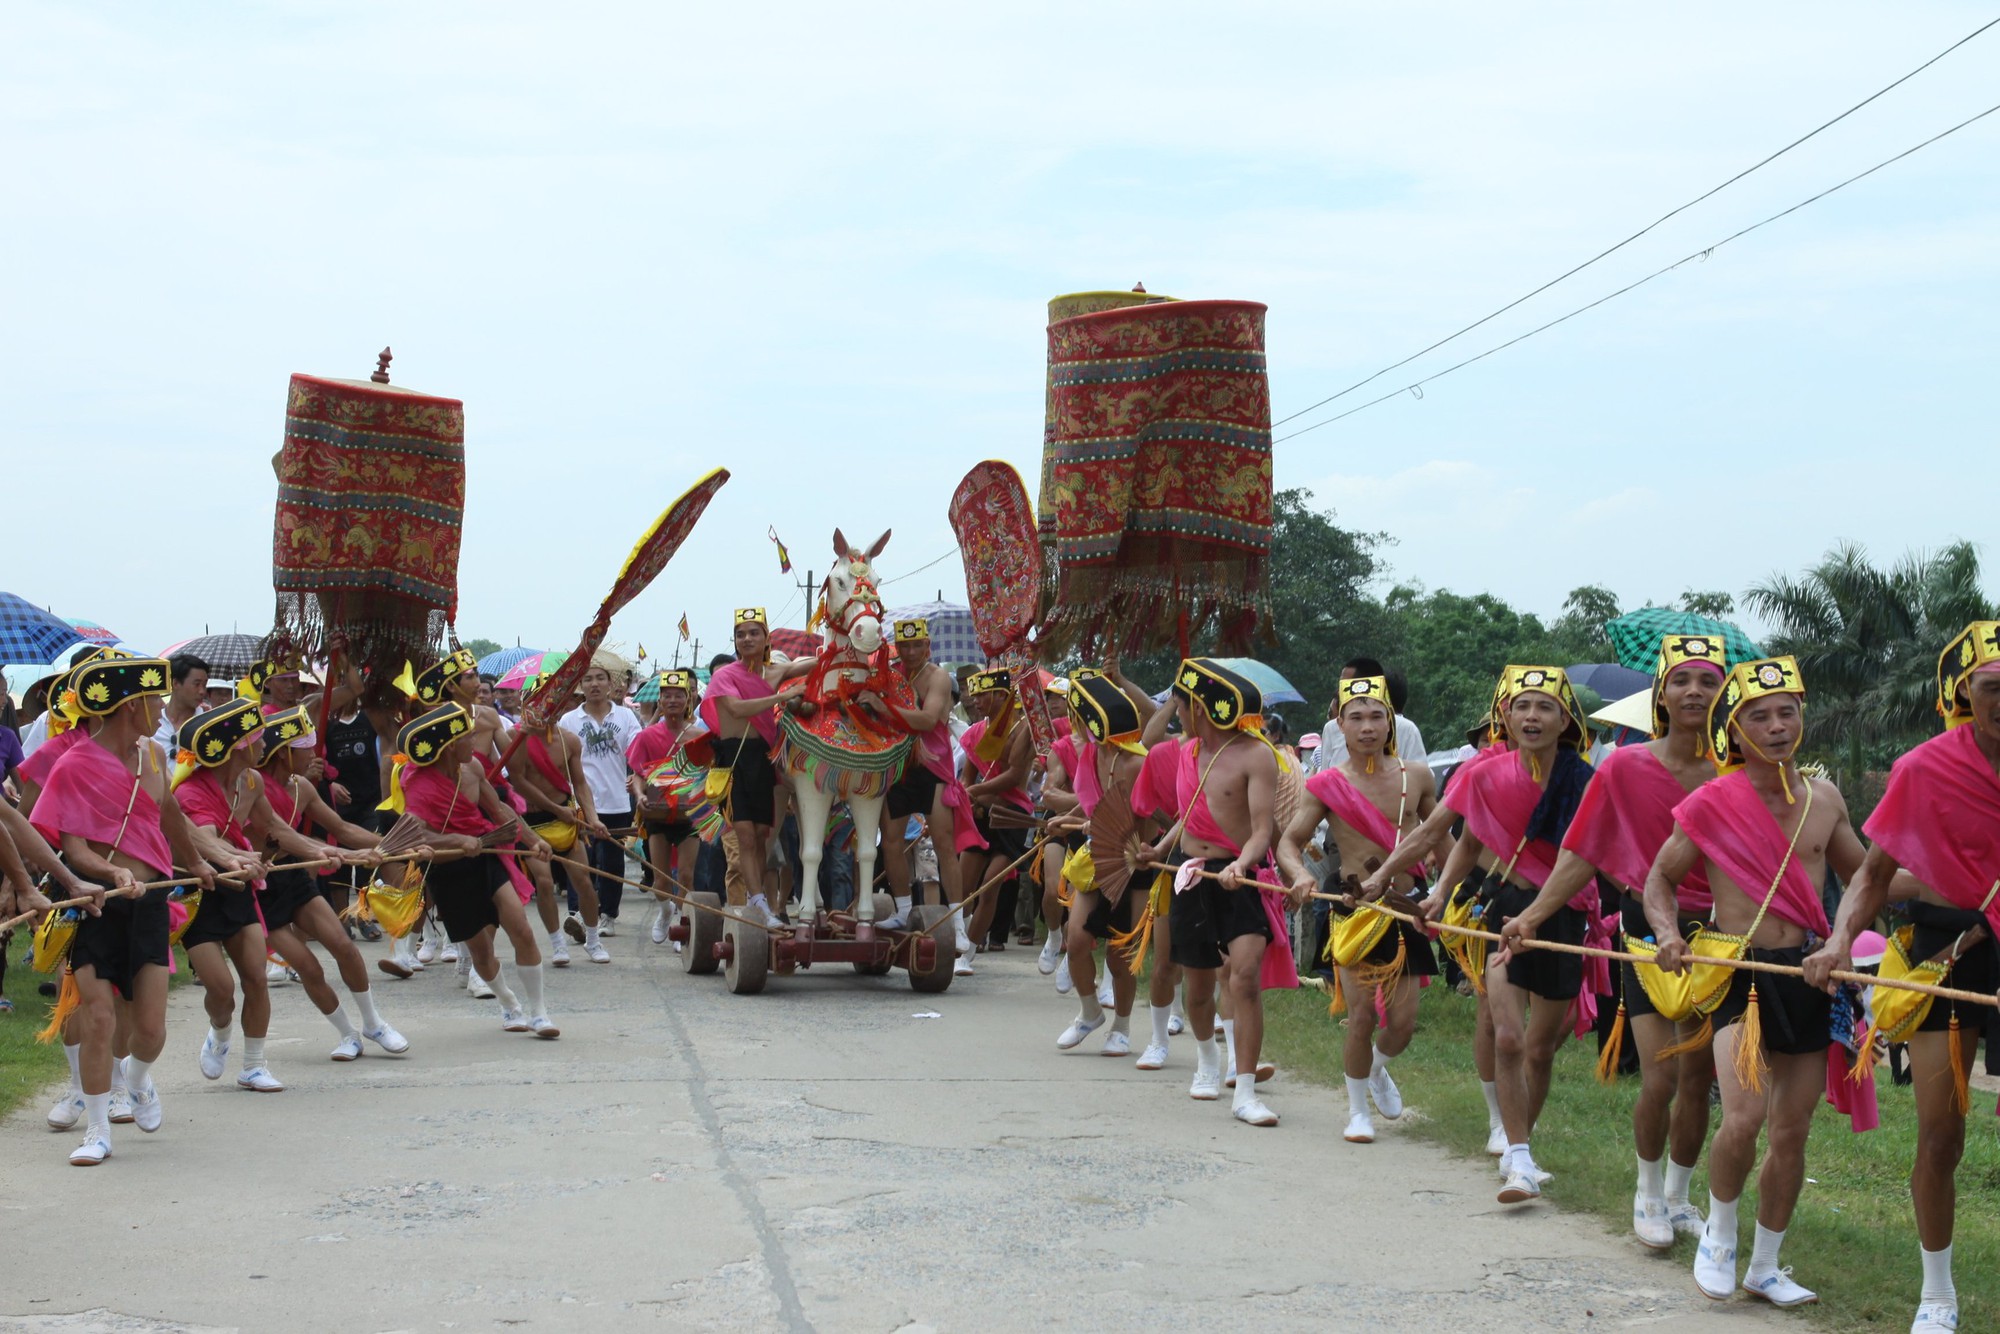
(1867, 894)
(36, 852)
(1057, 793)
(1020, 749)
(1291, 848)
(1410, 850)
(1571, 874)
(579, 785)
(1678, 856)
(1261, 791)
(1155, 730)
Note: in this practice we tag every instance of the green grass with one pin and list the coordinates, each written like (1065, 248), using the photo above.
(26, 1066)
(1853, 1237)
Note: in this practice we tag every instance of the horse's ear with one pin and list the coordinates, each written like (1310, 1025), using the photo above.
(880, 543)
(840, 547)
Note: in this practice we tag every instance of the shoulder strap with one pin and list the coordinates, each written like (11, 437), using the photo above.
(1784, 864)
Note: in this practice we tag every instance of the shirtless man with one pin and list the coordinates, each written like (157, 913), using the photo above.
(737, 707)
(1940, 818)
(1228, 787)
(108, 806)
(1626, 817)
(1371, 801)
(929, 787)
(999, 753)
(548, 773)
(1768, 835)
(1516, 805)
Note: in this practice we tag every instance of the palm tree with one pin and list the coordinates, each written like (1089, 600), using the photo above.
(1867, 642)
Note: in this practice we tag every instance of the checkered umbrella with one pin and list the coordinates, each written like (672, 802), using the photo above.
(952, 640)
(94, 633)
(228, 656)
(795, 643)
(30, 635)
(1635, 636)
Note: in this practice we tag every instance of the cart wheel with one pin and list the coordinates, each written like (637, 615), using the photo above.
(933, 920)
(704, 929)
(749, 958)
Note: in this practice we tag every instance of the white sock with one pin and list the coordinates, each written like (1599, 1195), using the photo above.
(138, 1075)
(337, 1016)
(1677, 1182)
(1492, 1092)
(1652, 1183)
(1764, 1252)
(903, 904)
(589, 936)
(531, 987)
(1377, 1062)
(464, 962)
(400, 949)
(757, 901)
(1160, 1014)
(503, 987)
(1229, 1042)
(1207, 1056)
(118, 1081)
(556, 939)
(1357, 1096)
(1938, 1286)
(1721, 1220)
(1517, 1158)
(1245, 1092)
(74, 1052)
(1122, 1023)
(97, 1115)
(364, 1001)
(219, 1036)
(1089, 1010)
(253, 1053)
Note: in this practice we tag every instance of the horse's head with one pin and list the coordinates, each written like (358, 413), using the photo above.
(853, 604)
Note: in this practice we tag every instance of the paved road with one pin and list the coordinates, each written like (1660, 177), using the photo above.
(813, 1158)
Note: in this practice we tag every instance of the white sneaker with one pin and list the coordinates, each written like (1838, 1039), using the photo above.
(1265, 1070)
(1651, 1224)
(67, 1111)
(400, 969)
(597, 953)
(1387, 1097)
(1052, 954)
(1936, 1318)
(428, 953)
(1079, 1029)
(1176, 1025)
(387, 1038)
(276, 975)
(963, 966)
(213, 1054)
(120, 1108)
(146, 1113)
(1496, 1141)
(96, 1147)
(349, 1048)
(540, 1026)
(660, 926)
(1715, 1268)
(1254, 1113)
(1360, 1129)
(558, 951)
(513, 1021)
(1065, 984)
(1778, 1288)
(1118, 1044)
(573, 926)
(1687, 1219)
(259, 1080)
(896, 921)
(1519, 1188)
(607, 927)
(1153, 1058)
(449, 954)
(477, 987)
(1105, 995)
(1206, 1086)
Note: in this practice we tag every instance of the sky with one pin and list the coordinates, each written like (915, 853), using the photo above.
(815, 244)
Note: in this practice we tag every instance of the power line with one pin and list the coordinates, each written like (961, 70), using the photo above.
(921, 568)
(1704, 253)
(1641, 232)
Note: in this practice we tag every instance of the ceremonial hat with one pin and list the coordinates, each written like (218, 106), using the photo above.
(993, 678)
(1977, 648)
(1230, 700)
(1749, 681)
(747, 615)
(1106, 713)
(1375, 688)
(1550, 681)
(1678, 651)
(106, 681)
(262, 673)
(424, 738)
(208, 738)
(429, 685)
(677, 678)
(287, 727)
(914, 628)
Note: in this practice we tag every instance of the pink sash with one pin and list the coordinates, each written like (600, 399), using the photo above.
(89, 794)
(735, 681)
(1729, 822)
(1940, 820)
(1625, 819)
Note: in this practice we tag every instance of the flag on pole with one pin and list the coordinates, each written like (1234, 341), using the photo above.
(642, 653)
(684, 626)
(784, 557)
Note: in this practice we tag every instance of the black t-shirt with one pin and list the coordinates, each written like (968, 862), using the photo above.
(350, 749)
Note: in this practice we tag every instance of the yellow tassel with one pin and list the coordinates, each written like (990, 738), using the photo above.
(1131, 945)
(1534, 769)
(1337, 1003)
(1961, 1081)
(1750, 1045)
(68, 1001)
(1371, 764)
(1864, 1056)
(1614, 1049)
(1700, 1038)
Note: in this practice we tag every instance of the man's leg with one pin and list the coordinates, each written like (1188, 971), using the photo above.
(316, 921)
(1730, 1159)
(91, 1027)
(1201, 984)
(1940, 1145)
(1357, 1055)
(1078, 945)
(250, 951)
(1242, 969)
(301, 960)
(896, 866)
(1520, 1044)
(528, 978)
(544, 878)
(607, 861)
(1054, 943)
(1687, 1131)
(1548, 1028)
(1162, 987)
(218, 998)
(1797, 1083)
(971, 870)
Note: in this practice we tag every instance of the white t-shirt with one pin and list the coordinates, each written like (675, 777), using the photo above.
(604, 746)
(1333, 746)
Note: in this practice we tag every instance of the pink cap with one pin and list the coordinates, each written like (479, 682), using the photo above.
(1869, 947)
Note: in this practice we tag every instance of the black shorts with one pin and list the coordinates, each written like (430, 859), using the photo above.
(674, 831)
(915, 793)
(1978, 969)
(1208, 918)
(1075, 839)
(1106, 918)
(1546, 973)
(1632, 919)
(225, 910)
(286, 890)
(129, 935)
(1002, 845)
(1797, 1019)
(753, 783)
(462, 892)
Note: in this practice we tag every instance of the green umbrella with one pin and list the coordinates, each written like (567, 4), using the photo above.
(1636, 635)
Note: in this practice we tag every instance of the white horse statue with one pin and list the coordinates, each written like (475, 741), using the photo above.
(837, 747)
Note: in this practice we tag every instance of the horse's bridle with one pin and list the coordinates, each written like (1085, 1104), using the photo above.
(862, 600)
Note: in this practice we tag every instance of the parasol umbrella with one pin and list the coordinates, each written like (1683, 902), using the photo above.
(1635, 636)
(1611, 680)
(228, 655)
(534, 665)
(1276, 689)
(795, 643)
(93, 633)
(1632, 716)
(952, 638)
(498, 664)
(29, 634)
